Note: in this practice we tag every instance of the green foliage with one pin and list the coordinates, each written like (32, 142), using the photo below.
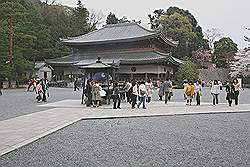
(187, 71)
(38, 28)
(224, 51)
(181, 25)
(111, 19)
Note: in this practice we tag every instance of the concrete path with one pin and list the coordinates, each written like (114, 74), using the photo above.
(19, 131)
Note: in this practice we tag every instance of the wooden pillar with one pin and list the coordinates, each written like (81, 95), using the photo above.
(146, 76)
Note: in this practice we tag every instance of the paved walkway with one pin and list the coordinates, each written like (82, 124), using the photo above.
(19, 131)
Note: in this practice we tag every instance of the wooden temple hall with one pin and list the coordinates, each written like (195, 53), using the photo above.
(133, 51)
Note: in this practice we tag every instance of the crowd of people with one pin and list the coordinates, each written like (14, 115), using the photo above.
(139, 93)
(194, 90)
(41, 88)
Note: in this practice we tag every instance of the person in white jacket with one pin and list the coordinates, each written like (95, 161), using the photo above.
(215, 91)
(142, 92)
(149, 87)
(134, 94)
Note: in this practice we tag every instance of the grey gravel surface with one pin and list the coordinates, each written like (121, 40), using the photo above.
(192, 140)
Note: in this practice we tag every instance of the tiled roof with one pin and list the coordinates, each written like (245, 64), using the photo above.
(123, 32)
(135, 57)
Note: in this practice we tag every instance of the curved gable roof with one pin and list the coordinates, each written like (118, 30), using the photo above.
(122, 32)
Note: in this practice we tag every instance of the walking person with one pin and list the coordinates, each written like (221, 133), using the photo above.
(29, 84)
(167, 86)
(96, 96)
(160, 92)
(149, 87)
(1, 87)
(190, 92)
(185, 84)
(198, 92)
(126, 88)
(230, 93)
(142, 95)
(116, 96)
(88, 93)
(236, 86)
(75, 84)
(215, 91)
(134, 94)
(44, 99)
(34, 83)
(39, 91)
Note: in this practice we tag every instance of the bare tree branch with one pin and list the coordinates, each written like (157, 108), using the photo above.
(95, 19)
(211, 35)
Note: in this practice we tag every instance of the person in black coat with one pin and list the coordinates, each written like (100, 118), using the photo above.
(230, 93)
(116, 96)
(75, 84)
(88, 93)
(1, 86)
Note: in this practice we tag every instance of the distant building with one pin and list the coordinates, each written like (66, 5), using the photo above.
(137, 52)
(42, 70)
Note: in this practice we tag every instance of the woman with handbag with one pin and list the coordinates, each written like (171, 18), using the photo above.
(236, 90)
(190, 92)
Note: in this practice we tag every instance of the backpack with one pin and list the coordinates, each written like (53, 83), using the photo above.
(142, 92)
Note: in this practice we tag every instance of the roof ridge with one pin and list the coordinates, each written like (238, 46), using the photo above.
(123, 52)
(80, 36)
(120, 24)
(129, 24)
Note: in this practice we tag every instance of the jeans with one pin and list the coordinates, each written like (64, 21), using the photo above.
(142, 101)
(215, 98)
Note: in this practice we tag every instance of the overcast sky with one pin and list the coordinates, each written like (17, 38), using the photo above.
(230, 16)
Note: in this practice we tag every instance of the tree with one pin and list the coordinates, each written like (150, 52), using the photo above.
(177, 27)
(202, 57)
(95, 18)
(211, 35)
(31, 37)
(187, 71)
(247, 39)
(154, 19)
(193, 30)
(80, 20)
(224, 52)
(240, 67)
(111, 19)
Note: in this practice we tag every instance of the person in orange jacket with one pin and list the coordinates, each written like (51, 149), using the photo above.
(190, 92)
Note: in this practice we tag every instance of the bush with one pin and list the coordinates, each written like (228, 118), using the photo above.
(187, 71)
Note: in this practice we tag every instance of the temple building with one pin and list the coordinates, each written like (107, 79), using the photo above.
(137, 53)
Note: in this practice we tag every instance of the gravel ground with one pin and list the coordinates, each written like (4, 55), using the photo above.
(18, 102)
(191, 140)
